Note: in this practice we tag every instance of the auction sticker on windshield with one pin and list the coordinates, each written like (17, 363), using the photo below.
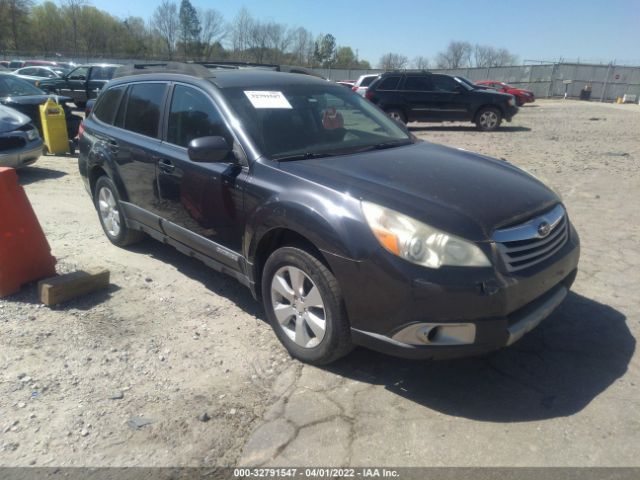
(264, 99)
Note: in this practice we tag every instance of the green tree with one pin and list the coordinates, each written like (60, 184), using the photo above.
(325, 49)
(345, 58)
(47, 31)
(16, 18)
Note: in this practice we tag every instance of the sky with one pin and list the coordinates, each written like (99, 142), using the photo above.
(588, 30)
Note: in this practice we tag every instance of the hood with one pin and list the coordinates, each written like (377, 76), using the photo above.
(460, 192)
(11, 119)
(492, 93)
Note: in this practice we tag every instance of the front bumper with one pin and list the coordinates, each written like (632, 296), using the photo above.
(510, 112)
(476, 310)
(21, 157)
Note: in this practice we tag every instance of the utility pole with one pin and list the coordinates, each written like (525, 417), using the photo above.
(606, 80)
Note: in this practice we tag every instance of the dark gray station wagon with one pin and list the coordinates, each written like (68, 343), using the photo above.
(349, 229)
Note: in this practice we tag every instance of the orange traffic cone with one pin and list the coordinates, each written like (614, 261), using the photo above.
(25, 254)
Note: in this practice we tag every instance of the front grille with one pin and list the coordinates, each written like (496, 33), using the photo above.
(523, 246)
(9, 143)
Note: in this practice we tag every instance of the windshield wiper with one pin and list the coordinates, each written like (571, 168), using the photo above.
(382, 146)
(302, 156)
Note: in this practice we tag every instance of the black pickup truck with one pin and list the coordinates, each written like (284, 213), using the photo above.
(82, 83)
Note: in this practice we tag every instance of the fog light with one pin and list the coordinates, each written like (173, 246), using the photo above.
(437, 334)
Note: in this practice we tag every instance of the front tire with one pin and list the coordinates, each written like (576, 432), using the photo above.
(488, 119)
(111, 215)
(304, 305)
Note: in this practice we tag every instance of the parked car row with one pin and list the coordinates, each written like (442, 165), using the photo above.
(80, 82)
(24, 97)
(15, 64)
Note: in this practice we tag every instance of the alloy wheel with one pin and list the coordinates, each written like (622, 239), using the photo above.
(298, 306)
(488, 119)
(109, 213)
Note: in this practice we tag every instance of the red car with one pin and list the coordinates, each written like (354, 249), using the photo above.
(522, 96)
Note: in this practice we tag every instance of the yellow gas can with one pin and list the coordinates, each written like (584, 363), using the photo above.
(54, 127)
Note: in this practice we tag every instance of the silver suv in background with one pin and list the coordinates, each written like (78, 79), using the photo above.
(361, 85)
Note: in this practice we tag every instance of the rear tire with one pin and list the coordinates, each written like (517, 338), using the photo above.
(488, 119)
(304, 305)
(111, 214)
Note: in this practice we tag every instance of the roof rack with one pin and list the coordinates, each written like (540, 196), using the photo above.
(195, 70)
(236, 65)
(203, 69)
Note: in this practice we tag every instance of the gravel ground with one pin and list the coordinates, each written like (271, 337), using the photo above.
(175, 365)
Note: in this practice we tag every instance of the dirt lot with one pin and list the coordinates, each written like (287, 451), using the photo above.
(172, 340)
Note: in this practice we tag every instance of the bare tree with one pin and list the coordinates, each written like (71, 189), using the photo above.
(166, 23)
(421, 63)
(393, 61)
(17, 16)
(240, 33)
(279, 40)
(456, 55)
(504, 57)
(74, 10)
(213, 30)
(302, 44)
(485, 56)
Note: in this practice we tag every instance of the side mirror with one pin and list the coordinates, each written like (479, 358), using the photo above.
(208, 149)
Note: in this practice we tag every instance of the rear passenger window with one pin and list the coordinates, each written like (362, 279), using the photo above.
(143, 108)
(416, 83)
(193, 115)
(108, 104)
(102, 73)
(389, 83)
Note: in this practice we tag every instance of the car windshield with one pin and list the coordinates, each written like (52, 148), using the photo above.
(10, 85)
(312, 120)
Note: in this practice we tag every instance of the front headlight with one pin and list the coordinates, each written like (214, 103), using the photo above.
(420, 243)
(512, 101)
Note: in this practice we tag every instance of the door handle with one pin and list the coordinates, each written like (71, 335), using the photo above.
(166, 166)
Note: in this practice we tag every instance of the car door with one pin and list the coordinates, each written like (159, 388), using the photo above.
(451, 100)
(98, 77)
(418, 96)
(133, 146)
(73, 84)
(201, 203)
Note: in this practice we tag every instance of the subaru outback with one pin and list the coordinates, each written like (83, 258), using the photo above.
(349, 229)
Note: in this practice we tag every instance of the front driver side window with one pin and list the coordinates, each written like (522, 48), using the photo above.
(443, 83)
(193, 115)
(79, 73)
